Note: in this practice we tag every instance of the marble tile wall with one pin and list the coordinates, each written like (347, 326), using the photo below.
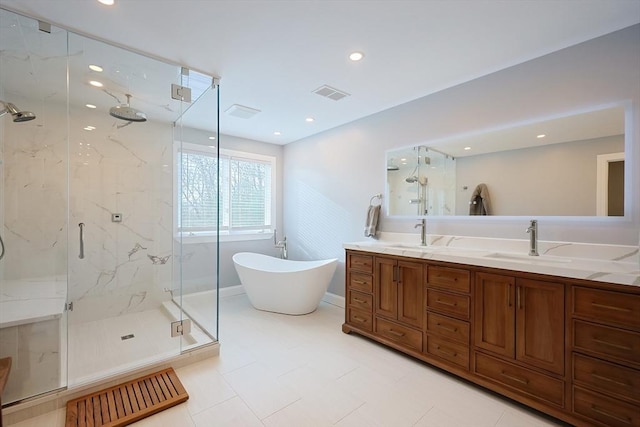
(112, 169)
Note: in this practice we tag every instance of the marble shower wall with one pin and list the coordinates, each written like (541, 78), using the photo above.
(127, 170)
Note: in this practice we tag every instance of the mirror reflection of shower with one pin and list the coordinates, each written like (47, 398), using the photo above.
(420, 181)
(17, 114)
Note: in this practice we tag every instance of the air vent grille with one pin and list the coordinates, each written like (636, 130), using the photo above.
(241, 111)
(331, 92)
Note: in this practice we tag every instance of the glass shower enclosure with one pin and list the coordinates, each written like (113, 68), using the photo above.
(91, 274)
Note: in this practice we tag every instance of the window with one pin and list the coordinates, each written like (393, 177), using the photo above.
(247, 192)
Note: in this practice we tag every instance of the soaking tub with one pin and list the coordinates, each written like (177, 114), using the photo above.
(281, 285)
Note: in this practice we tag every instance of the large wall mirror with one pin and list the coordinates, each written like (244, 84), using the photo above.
(565, 166)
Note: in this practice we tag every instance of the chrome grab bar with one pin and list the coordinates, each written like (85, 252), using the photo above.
(81, 225)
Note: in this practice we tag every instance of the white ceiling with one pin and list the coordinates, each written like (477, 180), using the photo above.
(272, 54)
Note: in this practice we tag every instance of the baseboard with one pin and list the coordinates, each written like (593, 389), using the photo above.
(334, 299)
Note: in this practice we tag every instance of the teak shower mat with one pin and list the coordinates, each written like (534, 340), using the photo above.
(127, 403)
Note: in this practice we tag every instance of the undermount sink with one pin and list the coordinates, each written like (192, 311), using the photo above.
(528, 258)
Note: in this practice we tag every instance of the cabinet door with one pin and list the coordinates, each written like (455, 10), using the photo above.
(386, 287)
(494, 313)
(410, 291)
(540, 324)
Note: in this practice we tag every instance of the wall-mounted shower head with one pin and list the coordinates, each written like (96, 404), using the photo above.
(411, 179)
(17, 114)
(126, 112)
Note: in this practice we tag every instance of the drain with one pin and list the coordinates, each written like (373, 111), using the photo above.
(126, 337)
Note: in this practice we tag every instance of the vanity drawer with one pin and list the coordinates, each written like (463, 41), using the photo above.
(607, 306)
(360, 282)
(361, 301)
(605, 410)
(534, 384)
(400, 334)
(359, 262)
(606, 377)
(444, 302)
(448, 327)
(360, 319)
(453, 279)
(450, 351)
(607, 341)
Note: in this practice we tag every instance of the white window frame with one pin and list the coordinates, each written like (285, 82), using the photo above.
(225, 235)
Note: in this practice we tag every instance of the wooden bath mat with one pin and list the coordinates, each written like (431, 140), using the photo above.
(127, 403)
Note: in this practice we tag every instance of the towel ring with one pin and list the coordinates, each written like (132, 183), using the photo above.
(375, 196)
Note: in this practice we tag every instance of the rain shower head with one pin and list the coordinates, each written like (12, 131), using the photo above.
(17, 114)
(412, 179)
(126, 112)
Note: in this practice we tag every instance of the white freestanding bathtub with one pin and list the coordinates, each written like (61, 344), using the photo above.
(281, 285)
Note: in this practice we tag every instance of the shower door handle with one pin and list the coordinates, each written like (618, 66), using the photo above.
(81, 225)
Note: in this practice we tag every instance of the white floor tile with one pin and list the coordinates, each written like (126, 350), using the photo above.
(232, 413)
(278, 370)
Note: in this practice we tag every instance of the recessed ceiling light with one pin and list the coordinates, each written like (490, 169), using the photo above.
(467, 148)
(96, 68)
(277, 133)
(542, 135)
(88, 128)
(107, 2)
(90, 106)
(95, 83)
(356, 56)
(212, 137)
(212, 146)
(309, 119)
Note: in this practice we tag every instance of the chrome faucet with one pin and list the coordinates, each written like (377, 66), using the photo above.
(533, 238)
(281, 244)
(423, 231)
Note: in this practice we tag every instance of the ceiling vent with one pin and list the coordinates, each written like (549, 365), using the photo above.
(331, 93)
(241, 111)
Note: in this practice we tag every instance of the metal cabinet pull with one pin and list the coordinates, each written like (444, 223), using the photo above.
(81, 225)
(514, 378)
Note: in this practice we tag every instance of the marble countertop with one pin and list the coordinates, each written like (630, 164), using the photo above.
(603, 263)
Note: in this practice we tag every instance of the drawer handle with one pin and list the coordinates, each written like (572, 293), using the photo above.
(396, 333)
(360, 319)
(511, 377)
(447, 328)
(361, 301)
(600, 411)
(451, 304)
(610, 344)
(611, 380)
(359, 282)
(609, 307)
(448, 353)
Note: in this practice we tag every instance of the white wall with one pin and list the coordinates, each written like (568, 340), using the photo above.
(330, 177)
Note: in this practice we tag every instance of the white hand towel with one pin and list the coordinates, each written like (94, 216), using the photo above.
(371, 226)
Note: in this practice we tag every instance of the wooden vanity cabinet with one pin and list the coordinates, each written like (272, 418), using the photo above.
(567, 347)
(521, 319)
(605, 351)
(448, 305)
(359, 292)
(398, 300)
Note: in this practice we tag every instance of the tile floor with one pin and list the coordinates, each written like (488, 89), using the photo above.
(302, 371)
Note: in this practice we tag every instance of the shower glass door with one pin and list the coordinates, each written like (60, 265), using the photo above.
(121, 279)
(33, 205)
(196, 148)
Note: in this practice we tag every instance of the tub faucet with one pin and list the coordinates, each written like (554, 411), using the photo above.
(533, 238)
(423, 231)
(281, 244)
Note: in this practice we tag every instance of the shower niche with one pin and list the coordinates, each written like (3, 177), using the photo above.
(101, 142)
